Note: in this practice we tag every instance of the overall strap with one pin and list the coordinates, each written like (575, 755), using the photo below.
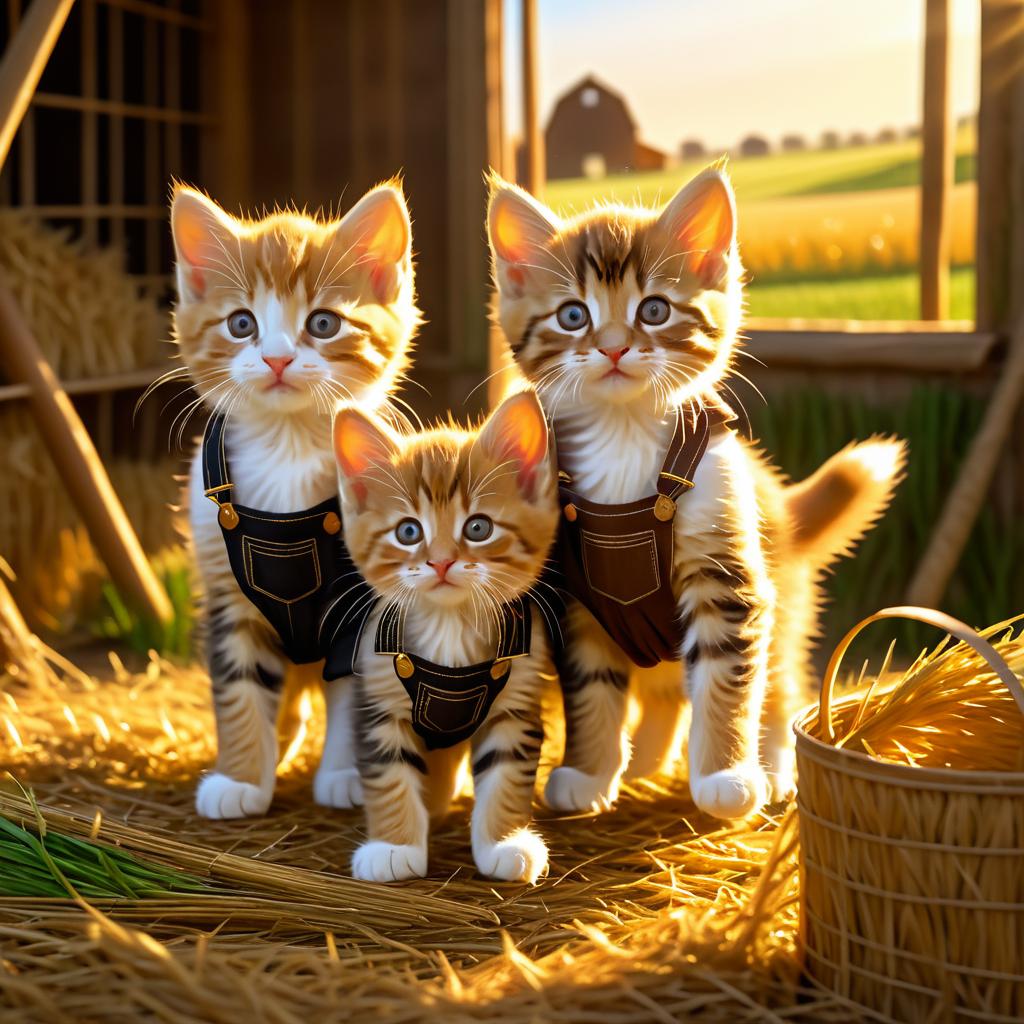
(513, 641)
(216, 478)
(685, 450)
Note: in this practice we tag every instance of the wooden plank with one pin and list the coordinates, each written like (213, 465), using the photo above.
(115, 123)
(118, 108)
(918, 352)
(936, 163)
(80, 468)
(301, 94)
(1000, 223)
(90, 126)
(227, 138)
(94, 211)
(972, 486)
(533, 136)
(23, 62)
(155, 12)
(127, 381)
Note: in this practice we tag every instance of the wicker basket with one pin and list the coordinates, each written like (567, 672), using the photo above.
(912, 877)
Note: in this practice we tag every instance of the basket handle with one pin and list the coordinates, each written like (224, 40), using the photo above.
(931, 618)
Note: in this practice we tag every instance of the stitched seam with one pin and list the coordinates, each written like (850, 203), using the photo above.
(652, 550)
(303, 548)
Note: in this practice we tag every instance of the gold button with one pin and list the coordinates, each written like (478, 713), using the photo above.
(404, 666)
(332, 524)
(500, 669)
(664, 508)
(227, 516)
(570, 512)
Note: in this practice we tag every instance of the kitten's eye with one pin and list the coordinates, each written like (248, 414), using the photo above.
(323, 323)
(409, 532)
(241, 324)
(654, 310)
(478, 528)
(573, 316)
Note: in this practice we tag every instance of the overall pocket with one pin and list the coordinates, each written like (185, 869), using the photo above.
(623, 568)
(281, 571)
(447, 711)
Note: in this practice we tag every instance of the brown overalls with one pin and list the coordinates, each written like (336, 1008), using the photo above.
(617, 559)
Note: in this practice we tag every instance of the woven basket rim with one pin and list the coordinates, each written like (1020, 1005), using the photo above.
(905, 774)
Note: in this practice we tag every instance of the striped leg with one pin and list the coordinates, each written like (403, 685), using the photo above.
(595, 681)
(505, 756)
(393, 773)
(658, 737)
(247, 672)
(727, 623)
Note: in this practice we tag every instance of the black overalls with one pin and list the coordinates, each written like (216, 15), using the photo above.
(617, 559)
(448, 704)
(283, 562)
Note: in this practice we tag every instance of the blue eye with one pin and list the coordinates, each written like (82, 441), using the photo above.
(478, 528)
(324, 323)
(409, 532)
(654, 310)
(241, 324)
(573, 316)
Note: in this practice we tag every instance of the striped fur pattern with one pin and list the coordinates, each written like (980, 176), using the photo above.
(413, 506)
(276, 320)
(617, 316)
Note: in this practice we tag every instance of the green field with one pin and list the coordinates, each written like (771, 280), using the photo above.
(874, 297)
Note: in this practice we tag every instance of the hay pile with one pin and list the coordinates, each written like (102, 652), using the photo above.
(650, 912)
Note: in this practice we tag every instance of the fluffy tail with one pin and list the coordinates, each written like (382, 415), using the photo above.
(834, 507)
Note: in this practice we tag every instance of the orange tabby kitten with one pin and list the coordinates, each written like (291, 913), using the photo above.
(276, 319)
(450, 529)
(626, 321)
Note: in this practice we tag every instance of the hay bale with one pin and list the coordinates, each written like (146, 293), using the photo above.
(88, 316)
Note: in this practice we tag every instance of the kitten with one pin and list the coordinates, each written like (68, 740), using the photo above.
(450, 529)
(276, 319)
(620, 317)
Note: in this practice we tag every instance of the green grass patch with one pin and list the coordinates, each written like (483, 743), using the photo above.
(899, 174)
(893, 296)
(37, 862)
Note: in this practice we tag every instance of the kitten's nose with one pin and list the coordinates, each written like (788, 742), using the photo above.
(614, 354)
(441, 566)
(278, 364)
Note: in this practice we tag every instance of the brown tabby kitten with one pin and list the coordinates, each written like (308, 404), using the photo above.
(620, 316)
(448, 524)
(276, 319)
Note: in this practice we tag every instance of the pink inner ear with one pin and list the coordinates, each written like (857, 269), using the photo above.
(197, 279)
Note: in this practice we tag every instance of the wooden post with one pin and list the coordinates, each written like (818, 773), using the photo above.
(1000, 237)
(80, 468)
(23, 63)
(533, 137)
(936, 163)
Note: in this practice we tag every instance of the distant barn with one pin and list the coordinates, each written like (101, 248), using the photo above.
(591, 132)
(692, 149)
(755, 145)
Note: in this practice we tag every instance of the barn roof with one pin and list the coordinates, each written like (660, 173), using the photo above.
(590, 82)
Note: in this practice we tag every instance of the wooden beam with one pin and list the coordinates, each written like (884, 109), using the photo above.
(23, 62)
(80, 468)
(936, 162)
(1000, 225)
(533, 137)
(917, 352)
(226, 158)
(970, 491)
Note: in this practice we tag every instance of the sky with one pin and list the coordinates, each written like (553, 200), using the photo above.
(717, 70)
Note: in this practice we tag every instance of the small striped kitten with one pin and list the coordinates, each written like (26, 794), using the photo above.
(618, 317)
(448, 527)
(276, 320)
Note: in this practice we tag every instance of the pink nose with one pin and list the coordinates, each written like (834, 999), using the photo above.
(614, 354)
(441, 566)
(278, 364)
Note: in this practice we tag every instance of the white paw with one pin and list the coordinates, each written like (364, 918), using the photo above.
(569, 789)
(522, 857)
(385, 862)
(341, 788)
(732, 793)
(220, 796)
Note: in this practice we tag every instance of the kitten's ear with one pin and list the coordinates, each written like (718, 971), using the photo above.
(360, 442)
(517, 431)
(519, 228)
(379, 234)
(700, 221)
(202, 232)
